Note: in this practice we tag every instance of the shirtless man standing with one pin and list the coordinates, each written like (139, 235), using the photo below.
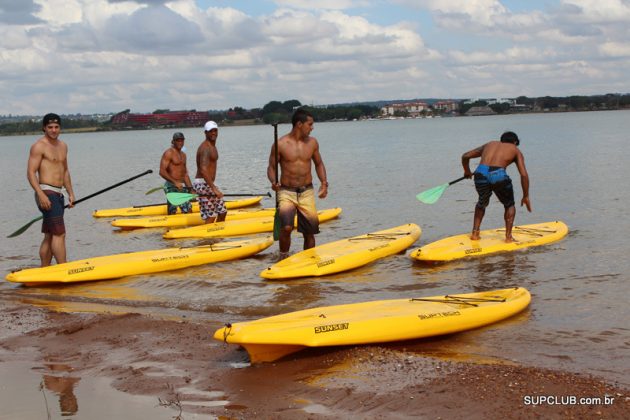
(173, 170)
(211, 202)
(296, 150)
(48, 174)
(490, 176)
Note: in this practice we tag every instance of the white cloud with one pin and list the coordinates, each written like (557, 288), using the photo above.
(615, 49)
(321, 4)
(599, 11)
(102, 55)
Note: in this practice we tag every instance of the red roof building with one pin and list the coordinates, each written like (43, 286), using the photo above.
(169, 119)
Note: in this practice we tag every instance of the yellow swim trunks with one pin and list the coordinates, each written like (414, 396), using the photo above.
(302, 201)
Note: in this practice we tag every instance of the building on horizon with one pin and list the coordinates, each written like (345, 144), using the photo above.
(167, 119)
(411, 109)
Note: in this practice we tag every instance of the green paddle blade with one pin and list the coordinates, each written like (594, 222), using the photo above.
(152, 190)
(23, 228)
(176, 198)
(432, 195)
(277, 225)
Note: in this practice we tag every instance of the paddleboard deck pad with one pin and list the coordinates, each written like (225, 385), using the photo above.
(381, 321)
(161, 210)
(183, 220)
(345, 254)
(490, 242)
(239, 227)
(143, 262)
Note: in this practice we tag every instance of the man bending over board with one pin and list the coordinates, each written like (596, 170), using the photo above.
(48, 174)
(295, 192)
(490, 176)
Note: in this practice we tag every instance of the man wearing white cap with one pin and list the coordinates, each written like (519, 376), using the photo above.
(211, 202)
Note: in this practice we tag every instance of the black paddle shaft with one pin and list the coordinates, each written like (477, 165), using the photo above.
(111, 187)
(457, 180)
(275, 146)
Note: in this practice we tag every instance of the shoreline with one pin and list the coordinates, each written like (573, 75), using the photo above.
(175, 364)
(239, 123)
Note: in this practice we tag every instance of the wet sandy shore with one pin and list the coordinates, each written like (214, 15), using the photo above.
(175, 367)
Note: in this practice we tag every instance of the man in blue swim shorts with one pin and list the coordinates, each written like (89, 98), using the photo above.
(491, 177)
(48, 174)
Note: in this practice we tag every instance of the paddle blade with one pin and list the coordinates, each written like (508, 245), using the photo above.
(277, 225)
(176, 198)
(432, 195)
(23, 228)
(152, 190)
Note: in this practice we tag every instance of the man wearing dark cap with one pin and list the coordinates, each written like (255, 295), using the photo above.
(48, 174)
(491, 177)
(173, 170)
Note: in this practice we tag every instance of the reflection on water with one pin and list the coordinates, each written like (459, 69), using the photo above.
(577, 284)
(62, 384)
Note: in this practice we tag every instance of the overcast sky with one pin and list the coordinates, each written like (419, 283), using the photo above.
(91, 56)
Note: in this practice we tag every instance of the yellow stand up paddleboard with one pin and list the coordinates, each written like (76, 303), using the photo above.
(161, 210)
(491, 241)
(239, 227)
(143, 262)
(345, 254)
(382, 321)
(188, 219)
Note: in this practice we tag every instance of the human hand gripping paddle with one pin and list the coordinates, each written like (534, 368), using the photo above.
(432, 195)
(176, 198)
(26, 226)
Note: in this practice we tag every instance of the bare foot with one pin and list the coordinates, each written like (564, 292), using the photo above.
(509, 239)
(474, 236)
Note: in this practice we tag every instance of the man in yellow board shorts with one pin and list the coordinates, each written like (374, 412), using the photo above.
(296, 151)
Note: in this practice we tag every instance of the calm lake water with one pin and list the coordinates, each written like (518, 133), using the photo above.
(578, 318)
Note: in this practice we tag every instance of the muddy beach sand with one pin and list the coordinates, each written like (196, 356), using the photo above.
(173, 365)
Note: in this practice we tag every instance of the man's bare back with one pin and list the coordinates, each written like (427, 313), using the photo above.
(498, 154)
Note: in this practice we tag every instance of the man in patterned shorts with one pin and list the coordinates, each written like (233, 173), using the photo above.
(211, 202)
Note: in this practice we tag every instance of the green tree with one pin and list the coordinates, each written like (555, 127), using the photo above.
(276, 118)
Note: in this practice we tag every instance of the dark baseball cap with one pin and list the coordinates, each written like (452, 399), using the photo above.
(178, 136)
(51, 118)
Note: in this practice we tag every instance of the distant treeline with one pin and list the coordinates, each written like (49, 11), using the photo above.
(556, 103)
(280, 112)
(30, 126)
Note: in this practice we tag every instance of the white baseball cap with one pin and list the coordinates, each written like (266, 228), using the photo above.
(210, 125)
